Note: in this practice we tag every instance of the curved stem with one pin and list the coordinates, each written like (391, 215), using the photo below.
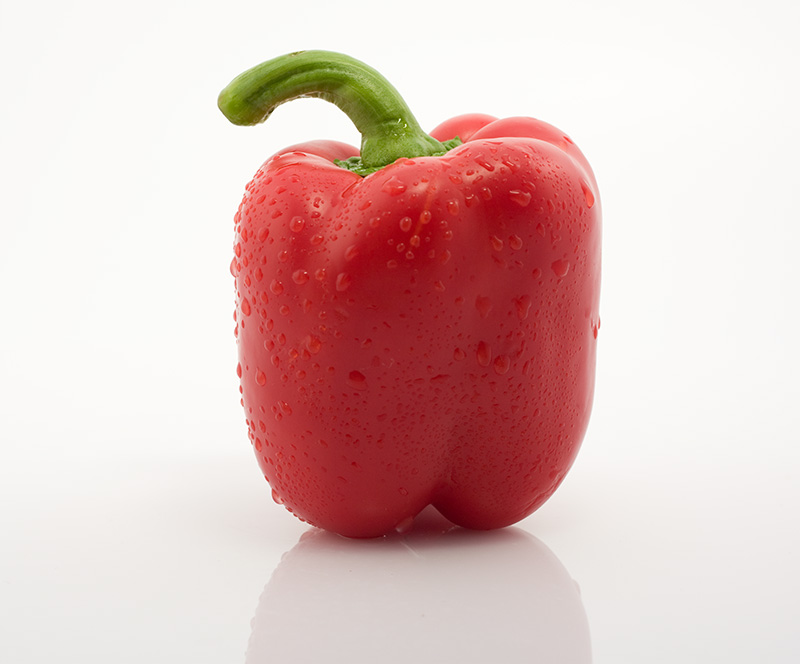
(388, 129)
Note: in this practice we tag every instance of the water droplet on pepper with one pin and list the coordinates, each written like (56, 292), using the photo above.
(588, 194)
(521, 198)
(483, 305)
(343, 281)
(405, 525)
(484, 354)
(357, 380)
(501, 364)
(394, 186)
(523, 304)
(560, 267)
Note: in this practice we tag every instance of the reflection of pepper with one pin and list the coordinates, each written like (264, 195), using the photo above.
(416, 323)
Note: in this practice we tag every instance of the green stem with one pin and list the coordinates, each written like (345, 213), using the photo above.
(388, 129)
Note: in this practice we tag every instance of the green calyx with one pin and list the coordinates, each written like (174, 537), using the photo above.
(389, 131)
(356, 164)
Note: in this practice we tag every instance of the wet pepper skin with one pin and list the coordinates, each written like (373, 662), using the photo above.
(422, 335)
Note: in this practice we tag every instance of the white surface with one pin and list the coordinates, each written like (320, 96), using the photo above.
(135, 525)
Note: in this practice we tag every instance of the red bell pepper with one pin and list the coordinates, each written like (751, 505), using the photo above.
(416, 322)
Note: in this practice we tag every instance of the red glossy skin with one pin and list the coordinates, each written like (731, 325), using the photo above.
(423, 335)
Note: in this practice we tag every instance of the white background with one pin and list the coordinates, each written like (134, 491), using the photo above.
(135, 524)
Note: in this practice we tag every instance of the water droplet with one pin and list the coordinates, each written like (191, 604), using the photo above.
(300, 277)
(313, 344)
(276, 287)
(483, 305)
(402, 491)
(497, 243)
(521, 198)
(350, 189)
(261, 377)
(405, 224)
(357, 380)
(405, 525)
(414, 240)
(452, 207)
(486, 193)
(296, 224)
(560, 267)
(276, 497)
(351, 252)
(343, 281)
(425, 217)
(246, 310)
(484, 354)
(523, 306)
(587, 192)
(483, 162)
(239, 369)
(515, 242)
(459, 354)
(237, 249)
(501, 364)
(234, 267)
(263, 233)
(394, 186)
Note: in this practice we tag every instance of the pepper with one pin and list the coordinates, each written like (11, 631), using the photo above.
(416, 321)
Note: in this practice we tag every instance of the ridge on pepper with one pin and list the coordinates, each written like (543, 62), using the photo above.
(416, 319)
